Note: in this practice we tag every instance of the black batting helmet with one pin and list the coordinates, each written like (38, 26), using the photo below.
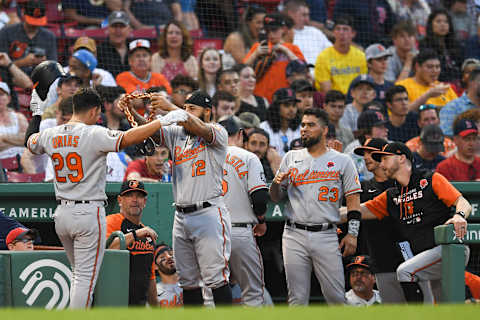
(44, 75)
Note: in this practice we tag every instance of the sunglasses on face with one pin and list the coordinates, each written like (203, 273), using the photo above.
(424, 107)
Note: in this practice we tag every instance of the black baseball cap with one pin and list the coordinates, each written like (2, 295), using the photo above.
(273, 21)
(67, 77)
(363, 261)
(285, 95)
(161, 248)
(34, 13)
(374, 144)
(199, 98)
(302, 85)
(432, 138)
(394, 148)
(132, 185)
(297, 66)
(296, 143)
(464, 127)
(231, 124)
(370, 118)
(363, 78)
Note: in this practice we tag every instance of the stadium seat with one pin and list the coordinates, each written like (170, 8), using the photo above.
(200, 44)
(10, 163)
(54, 11)
(13, 176)
(145, 33)
(269, 5)
(92, 33)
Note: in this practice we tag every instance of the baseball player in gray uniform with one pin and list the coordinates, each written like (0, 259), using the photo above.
(78, 150)
(314, 180)
(246, 197)
(201, 229)
(169, 292)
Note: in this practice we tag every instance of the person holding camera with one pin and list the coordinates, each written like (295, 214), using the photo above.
(270, 56)
(28, 43)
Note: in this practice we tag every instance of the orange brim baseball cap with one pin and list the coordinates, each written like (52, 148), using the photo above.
(40, 21)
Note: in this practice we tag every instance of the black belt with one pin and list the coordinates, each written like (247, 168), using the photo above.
(312, 228)
(59, 202)
(243, 225)
(193, 207)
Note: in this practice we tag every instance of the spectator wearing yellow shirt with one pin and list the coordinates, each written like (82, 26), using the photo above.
(339, 64)
(424, 86)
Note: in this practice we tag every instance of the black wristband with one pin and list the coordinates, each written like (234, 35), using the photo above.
(134, 235)
(354, 214)
(461, 213)
(261, 220)
(9, 65)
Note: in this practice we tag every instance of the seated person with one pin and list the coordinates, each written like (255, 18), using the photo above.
(89, 13)
(169, 292)
(258, 142)
(463, 165)
(182, 86)
(362, 281)
(145, 14)
(155, 168)
(223, 104)
(363, 91)
(21, 239)
(431, 144)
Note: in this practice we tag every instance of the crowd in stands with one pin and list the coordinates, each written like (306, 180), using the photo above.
(398, 70)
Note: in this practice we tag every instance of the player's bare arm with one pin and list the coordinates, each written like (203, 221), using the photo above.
(130, 238)
(349, 242)
(459, 219)
(366, 213)
(276, 191)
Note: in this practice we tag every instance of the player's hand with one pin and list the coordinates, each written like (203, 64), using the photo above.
(262, 49)
(175, 116)
(4, 59)
(280, 177)
(97, 79)
(459, 225)
(259, 229)
(348, 244)
(159, 101)
(335, 145)
(37, 105)
(147, 232)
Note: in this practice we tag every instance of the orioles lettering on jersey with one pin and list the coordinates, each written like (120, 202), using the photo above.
(141, 247)
(182, 156)
(65, 141)
(236, 163)
(174, 303)
(312, 176)
(407, 210)
(408, 196)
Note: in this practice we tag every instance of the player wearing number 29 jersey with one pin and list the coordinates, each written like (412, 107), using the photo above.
(79, 155)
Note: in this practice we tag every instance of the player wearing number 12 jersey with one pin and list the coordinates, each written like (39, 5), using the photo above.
(78, 150)
(314, 180)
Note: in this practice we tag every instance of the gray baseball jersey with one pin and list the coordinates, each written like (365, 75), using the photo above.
(79, 152)
(197, 165)
(79, 156)
(316, 186)
(169, 295)
(242, 174)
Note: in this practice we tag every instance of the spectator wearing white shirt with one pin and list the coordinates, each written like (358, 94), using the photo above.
(310, 40)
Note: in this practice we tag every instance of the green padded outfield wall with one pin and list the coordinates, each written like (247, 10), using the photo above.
(41, 279)
(35, 202)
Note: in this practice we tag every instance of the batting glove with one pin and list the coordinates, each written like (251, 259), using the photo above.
(174, 117)
(37, 105)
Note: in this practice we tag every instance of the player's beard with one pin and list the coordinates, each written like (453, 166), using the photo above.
(165, 270)
(310, 142)
(390, 172)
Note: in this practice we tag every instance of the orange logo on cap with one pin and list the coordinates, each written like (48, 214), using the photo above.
(133, 184)
(359, 259)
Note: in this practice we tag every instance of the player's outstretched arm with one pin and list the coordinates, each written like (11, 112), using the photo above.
(37, 106)
(193, 124)
(139, 134)
(366, 213)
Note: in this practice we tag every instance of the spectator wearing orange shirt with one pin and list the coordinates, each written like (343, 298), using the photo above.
(269, 58)
(140, 77)
(140, 241)
(427, 115)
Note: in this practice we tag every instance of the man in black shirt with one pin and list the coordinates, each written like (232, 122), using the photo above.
(377, 238)
(258, 142)
(402, 124)
(112, 55)
(430, 146)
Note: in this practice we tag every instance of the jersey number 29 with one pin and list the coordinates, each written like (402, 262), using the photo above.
(74, 164)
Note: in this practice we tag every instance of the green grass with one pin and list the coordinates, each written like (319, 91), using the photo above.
(450, 312)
